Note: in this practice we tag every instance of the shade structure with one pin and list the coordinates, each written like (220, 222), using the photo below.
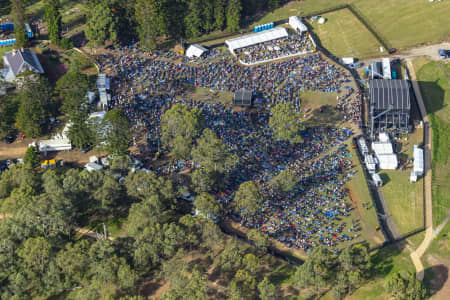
(382, 148)
(297, 24)
(388, 161)
(256, 38)
(195, 51)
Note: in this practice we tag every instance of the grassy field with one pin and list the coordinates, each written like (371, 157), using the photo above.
(402, 23)
(404, 199)
(441, 245)
(385, 262)
(434, 83)
(344, 35)
(360, 194)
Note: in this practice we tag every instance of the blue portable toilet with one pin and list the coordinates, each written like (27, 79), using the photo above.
(394, 75)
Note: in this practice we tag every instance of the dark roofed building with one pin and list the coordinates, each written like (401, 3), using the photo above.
(390, 105)
(18, 61)
(243, 97)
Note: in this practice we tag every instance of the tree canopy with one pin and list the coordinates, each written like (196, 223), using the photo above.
(284, 122)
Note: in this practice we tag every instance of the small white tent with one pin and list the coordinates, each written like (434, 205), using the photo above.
(195, 51)
(297, 24)
(388, 161)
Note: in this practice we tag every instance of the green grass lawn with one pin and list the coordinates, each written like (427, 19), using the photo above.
(344, 35)
(403, 23)
(434, 82)
(360, 194)
(3, 50)
(404, 199)
(441, 244)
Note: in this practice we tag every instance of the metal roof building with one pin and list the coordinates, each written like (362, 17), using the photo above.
(390, 105)
(256, 38)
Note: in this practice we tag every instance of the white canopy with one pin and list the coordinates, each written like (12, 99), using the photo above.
(386, 68)
(297, 24)
(256, 38)
(388, 161)
(195, 51)
(382, 148)
(418, 160)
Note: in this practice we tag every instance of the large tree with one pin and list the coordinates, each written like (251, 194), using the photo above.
(117, 132)
(36, 106)
(53, 19)
(19, 18)
(219, 14)
(179, 127)
(207, 205)
(248, 198)
(152, 17)
(284, 122)
(212, 154)
(234, 10)
(31, 157)
(102, 24)
(194, 20)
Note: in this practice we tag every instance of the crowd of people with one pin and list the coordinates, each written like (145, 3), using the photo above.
(144, 88)
(276, 49)
(276, 82)
(351, 105)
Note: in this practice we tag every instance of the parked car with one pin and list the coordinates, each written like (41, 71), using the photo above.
(355, 65)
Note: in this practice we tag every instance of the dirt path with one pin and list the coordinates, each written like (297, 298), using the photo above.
(418, 253)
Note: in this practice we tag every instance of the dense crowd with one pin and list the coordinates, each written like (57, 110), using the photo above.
(277, 82)
(276, 49)
(309, 215)
(351, 105)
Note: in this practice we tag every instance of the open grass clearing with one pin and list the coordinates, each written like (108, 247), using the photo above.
(404, 199)
(434, 82)
(344, 35)
(441, 243)
(402, 23)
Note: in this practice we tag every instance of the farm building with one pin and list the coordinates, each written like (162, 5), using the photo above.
(256, 38)
(297, 24)
(390, 105)
(195, 51)
(18, 61)
(243, 97)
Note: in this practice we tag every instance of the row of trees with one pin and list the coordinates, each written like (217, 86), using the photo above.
(154, 19)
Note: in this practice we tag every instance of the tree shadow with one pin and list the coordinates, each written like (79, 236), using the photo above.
(385, 178)
(325, 115)
(382, 261)
(433, 96)
(437, 277)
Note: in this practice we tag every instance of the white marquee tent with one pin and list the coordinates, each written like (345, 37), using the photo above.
(418, 161)
(388, 161)
(195, 51)
(297, 24)
(381, 148)
(256, 38)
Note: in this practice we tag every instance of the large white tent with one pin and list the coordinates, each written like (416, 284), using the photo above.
(418, 161)
(256, 38)
(388, 161)
(195, 51)
(297, 24)
(381, 148)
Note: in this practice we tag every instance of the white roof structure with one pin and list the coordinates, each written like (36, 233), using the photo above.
(256, 38)
(56, 144)
(377, 179)
(92, 166)
(383, 137)
(296, 23)
(195, 51)
(386, 68)
(418, 160)
(388, 161)
(321, 20)
(103, 82)
(369, 161)
(362, 145)
(348, 60)
(413, 177)
(381, 148)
